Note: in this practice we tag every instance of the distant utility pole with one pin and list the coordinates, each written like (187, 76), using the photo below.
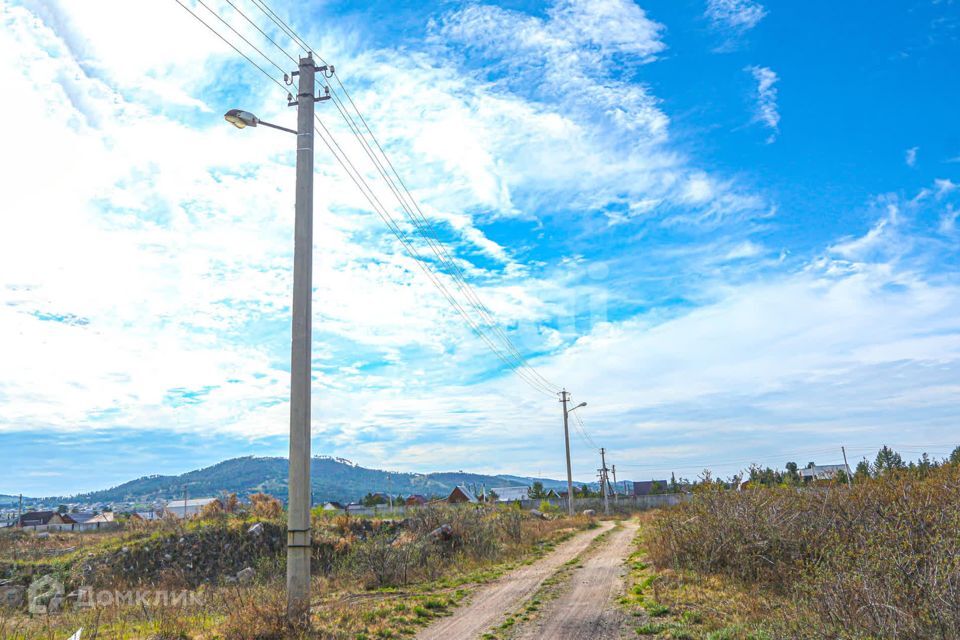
(184, 502)
(564, 398)
(846, 466)
(616, 495)
(20, 509)
(603, 480)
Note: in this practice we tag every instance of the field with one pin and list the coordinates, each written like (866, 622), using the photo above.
(216, 578)
(880, 559)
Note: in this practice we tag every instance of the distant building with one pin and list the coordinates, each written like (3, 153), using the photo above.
(146, 516)
(461, 494)
(823, 472)
(356, 507)
(38, 519)
(187, 508)
(86, 521)
(415, 500)
(645, 487)
(333, 505)
(510, 494)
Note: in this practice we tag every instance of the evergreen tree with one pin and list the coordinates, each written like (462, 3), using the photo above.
(888, 460)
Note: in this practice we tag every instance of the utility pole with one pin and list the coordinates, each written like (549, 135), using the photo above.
(298, 506)
(603, 480)
(184, 503)
(846, 466)
(564, 397)
(616, 495)
(20, 509)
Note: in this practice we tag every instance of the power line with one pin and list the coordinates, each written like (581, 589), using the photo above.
(381, 211)
(232, 46)
(507, 351)
(277, 20)
(257, 27)
(241, 36)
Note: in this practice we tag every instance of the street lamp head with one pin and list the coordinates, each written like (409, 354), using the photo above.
(241, 119)
(582, 404)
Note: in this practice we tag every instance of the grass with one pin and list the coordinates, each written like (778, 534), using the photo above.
(343, 608)
(681, 605)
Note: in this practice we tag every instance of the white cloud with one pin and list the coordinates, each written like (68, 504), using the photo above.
(910, 156)
(767, 110)
(738, 15)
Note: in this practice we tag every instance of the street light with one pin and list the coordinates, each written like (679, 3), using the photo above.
(243, 119)
(298, 487)
(564, 396)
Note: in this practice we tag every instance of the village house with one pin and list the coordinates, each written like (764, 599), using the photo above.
(333, 505)
(415, 500)
(461, 494)
(646, 487)
(187, 508)
(37, 519)
(823, 472)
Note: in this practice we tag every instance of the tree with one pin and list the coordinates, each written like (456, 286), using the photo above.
(536, 491)
(492, 496)
(265, 507)
(793, 473)
(955, 456)
(863, 471)
(888, 460)
(62, 508)
(372, 500)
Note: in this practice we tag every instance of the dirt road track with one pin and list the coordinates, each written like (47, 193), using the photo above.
(490, 602)
(586, 610)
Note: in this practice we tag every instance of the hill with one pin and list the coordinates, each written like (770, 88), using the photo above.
(332, 479)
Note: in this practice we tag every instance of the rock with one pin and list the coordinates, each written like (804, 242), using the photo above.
(256, 529)
(125, 550)
(539, 514)
(43, 536)
(11, 596)
(589, 513)
(443, 532)
(230, 580)
(167, 557)
(246, 575)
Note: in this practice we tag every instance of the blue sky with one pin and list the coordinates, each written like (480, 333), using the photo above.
(728, 225)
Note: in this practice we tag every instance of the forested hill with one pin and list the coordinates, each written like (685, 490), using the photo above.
(333, 479)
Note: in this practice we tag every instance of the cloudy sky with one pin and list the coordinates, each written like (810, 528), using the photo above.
(731, 227)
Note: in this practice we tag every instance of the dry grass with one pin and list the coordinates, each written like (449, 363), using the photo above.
(351, 601)
(878, 560)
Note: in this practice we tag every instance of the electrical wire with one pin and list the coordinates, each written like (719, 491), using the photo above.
(232, 46)
(241, 36)
(507, 351)
(257, 27)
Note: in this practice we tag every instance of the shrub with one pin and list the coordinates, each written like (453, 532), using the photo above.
(881, 558)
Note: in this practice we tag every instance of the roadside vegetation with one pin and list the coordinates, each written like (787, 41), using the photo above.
(223, 574)
(876, 558)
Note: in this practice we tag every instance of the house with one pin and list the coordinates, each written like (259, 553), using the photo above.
(415, 500)
(187, 508)
(146, 516)
(332, 505)
(510, 494)
(86, 521)
(39, 519)
(823, 472)
(646, 487)
(355, 507)
(461, 494)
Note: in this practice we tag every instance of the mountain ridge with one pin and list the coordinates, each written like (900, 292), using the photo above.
(331, 479)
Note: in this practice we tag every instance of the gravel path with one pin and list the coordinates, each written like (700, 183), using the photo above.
(488, 605)
(586, 610)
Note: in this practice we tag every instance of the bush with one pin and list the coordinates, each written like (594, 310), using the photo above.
(881, 559)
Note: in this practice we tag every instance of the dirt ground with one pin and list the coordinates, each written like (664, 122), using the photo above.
(489, 603)
(587, 610)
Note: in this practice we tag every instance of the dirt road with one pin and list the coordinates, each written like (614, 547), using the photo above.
(489, 603)
(586, 610)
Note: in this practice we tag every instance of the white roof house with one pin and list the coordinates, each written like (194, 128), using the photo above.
(823, 471)
(187, 508)
(511, 494)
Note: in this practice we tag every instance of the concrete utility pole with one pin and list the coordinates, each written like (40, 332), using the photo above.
(564, 397)
(298, 488)
(616, 494)
(603, 480)
(846, 466)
